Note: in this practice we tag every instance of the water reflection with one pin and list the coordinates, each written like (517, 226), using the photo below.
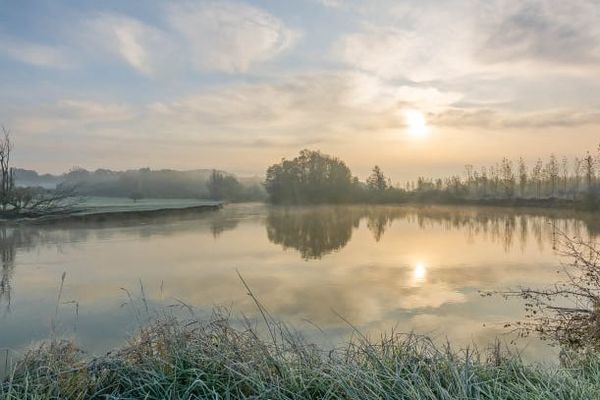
(7, 253)
(419, 273)
(316, 232)
(416, 268)
(59, 236)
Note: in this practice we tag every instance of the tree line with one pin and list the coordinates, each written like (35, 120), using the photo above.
(552, 180)
(313, 177)
(147, 183)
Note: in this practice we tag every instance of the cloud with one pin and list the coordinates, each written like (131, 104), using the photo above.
(323, 106)
(546, 31)
(367, 90)
(292, 112)
(422, 41)
(146, 49)
(72, 116)
(415, 41)
(494, 119)
(229, 36)
(39, 55)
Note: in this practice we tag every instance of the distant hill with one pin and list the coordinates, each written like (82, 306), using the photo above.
(142, 183)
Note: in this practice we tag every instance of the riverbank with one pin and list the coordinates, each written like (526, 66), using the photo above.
(213, 359)
(101, 210)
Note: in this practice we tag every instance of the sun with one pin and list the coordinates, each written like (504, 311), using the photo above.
(416, 125)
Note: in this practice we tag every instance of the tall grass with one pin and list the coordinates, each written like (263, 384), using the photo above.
(212, 359)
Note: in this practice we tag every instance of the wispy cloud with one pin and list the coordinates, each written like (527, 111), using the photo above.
(143, 47)
(39, 55)
(229, 36)
(546, 31)
(493, 119)
(415, 41)
(331, 106)
(290, 112)
(422, 41)
(81, 116)
(221, 36)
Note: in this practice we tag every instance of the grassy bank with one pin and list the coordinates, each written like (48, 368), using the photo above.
(214, 360)
(100, 210)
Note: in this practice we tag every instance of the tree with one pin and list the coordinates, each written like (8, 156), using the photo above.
(590, 197)
(377, 182)
(7, 181)
(577, 170)
(552, 171)
(537, 177)
(28, 201)
(494, 179)
(522, 177)
(589, 170)
(565, 174)
(222, 186)
(566, 312)
(484, 181)
(471, 176)
(508, 177)
(311, 177)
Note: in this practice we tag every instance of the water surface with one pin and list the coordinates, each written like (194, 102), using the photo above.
(380, 267)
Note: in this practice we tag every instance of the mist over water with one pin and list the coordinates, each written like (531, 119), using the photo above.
(380, 267)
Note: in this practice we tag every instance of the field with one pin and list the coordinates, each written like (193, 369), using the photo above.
(94, 205)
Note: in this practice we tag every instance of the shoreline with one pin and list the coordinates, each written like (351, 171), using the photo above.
(87, 216)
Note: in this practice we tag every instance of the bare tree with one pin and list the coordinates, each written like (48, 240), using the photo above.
(577, 170)
(508, 177)
(377, 182)
(567, 312)
(484, 181)
(6, 172)
(552, 170)
(537, 177)
(522, 177)
(21, 201)
(589, 168)
(565, 174)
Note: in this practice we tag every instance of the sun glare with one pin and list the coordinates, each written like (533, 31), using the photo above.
(419, 272)
(416, 125)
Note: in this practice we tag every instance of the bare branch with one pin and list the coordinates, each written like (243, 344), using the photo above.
(568, 312)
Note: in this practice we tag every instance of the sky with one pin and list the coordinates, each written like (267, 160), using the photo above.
(419, 87)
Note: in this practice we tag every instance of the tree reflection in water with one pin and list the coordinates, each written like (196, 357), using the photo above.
(318, 231)
(15, 238)
(314, 232)
(7, 255)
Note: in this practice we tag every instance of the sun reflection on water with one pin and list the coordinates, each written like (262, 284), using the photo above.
(419, 272)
